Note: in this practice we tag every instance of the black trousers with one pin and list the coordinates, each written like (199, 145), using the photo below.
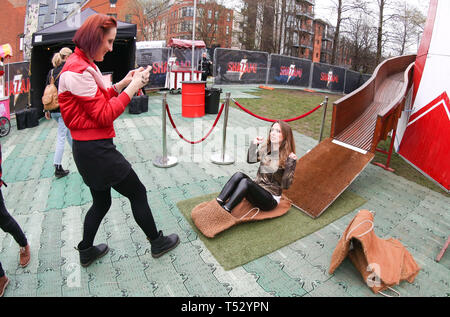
(132, 188)
(9, 225)
(240, 186)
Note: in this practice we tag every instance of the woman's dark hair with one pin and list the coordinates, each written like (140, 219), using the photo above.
(287, 146)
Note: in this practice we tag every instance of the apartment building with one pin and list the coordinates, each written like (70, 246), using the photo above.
(323, 41)
(214, 22)
(304, 32)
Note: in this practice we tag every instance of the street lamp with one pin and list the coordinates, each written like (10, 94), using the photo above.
(193, 39)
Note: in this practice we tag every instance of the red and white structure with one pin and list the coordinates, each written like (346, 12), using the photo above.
(423, 132)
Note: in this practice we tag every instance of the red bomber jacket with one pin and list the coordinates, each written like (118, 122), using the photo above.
(88, 107)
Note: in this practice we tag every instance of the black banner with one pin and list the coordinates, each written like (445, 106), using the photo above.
(365, 77)
(157, 58)
(352, 81)
(328, 77)
(287, 70)
(17, 85)
(240, 67)
(184, 57)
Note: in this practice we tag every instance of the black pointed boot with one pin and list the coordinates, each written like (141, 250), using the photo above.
(89, 255)
(163, 244)
(60, 172)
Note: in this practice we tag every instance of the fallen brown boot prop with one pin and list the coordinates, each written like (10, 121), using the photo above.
(211, 219)
(382, 263)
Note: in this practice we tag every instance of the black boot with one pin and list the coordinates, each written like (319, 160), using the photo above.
(89, 255)
(163, 244)
(220, 201)
(60, 172)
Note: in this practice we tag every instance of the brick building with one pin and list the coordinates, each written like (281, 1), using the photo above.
(323, 41)
(304, 33)
(12, 17)
(214, 22)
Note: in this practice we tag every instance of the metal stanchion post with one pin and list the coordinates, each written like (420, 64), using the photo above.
(324, 104)
(222, 158)
(164, 160)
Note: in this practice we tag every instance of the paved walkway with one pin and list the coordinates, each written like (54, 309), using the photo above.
(51, 212)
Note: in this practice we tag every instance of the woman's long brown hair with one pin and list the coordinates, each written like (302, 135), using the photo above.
(287, 146)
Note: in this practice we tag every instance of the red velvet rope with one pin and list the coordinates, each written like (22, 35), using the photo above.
(272, 120)
(194, 142)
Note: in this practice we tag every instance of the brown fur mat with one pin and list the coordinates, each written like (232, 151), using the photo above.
(211, 219)
(323, 174)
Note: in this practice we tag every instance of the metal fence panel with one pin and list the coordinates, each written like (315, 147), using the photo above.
(157, 58)
(240, 66)
(288, 70)
(328, 77)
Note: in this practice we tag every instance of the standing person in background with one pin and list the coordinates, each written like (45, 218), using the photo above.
(58, 61)
(89, 110)
(9, 225)
(205, 66)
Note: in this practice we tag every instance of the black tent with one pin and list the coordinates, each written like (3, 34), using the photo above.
(50, 40)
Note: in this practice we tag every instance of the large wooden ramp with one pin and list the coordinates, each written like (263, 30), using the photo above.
(360, 121)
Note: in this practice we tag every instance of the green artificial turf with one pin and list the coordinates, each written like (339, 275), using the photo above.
(245, 242)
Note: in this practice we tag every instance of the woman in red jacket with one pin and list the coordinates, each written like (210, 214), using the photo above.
(89, 110)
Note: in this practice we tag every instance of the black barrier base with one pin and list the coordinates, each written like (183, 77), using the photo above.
(138, 104)
(27, 118)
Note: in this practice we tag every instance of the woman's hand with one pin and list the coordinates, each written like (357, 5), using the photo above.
(293, 156)
(128, 78)
(141, 77)
(139, 80)
(258, 140)
(47, 115)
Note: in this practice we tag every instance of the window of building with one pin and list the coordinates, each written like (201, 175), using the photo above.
(216, 14)
(209, 14)
(228, 17)
(112, 15)
(228, 30)
(187, 12)
(128, 18)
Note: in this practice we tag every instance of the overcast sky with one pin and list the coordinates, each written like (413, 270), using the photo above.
(323, 9)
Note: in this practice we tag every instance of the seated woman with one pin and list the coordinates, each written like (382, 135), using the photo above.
(275, 173)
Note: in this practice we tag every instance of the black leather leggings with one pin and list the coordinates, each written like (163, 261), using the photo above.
(132, 188)
(9, 224)
(240, 186)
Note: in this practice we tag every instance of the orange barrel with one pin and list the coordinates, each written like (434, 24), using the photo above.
(193, 99)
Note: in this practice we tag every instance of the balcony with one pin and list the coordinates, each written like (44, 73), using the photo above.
(311, 2)
(306, 30)
(327, 36)
(308, 15)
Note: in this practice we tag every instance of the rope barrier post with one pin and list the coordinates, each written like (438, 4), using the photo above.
(222, 158)
(164, 160)
(324, 104)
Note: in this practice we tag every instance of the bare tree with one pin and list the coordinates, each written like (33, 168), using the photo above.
(208, 24)
(385, 13)
(407, 24)
(249, 13)
(144, 13)
(343, 9)
(359, 38)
